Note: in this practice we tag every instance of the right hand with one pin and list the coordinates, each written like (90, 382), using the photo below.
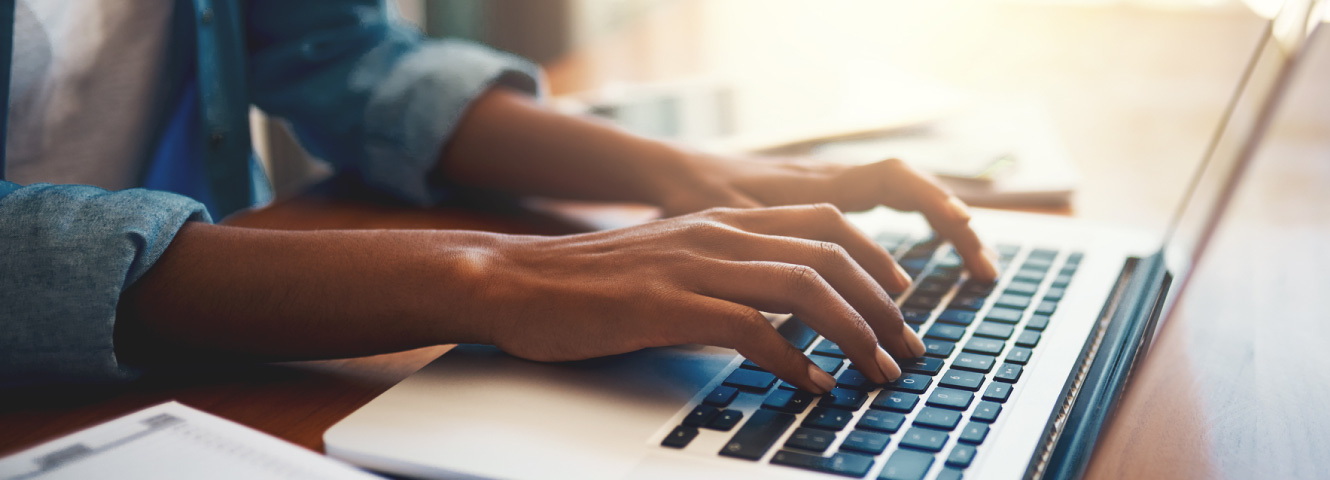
(701, 278)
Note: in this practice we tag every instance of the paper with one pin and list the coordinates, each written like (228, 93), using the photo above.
(172, 441)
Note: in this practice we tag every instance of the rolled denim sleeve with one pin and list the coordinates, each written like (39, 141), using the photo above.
(69, 251)
(368, 93)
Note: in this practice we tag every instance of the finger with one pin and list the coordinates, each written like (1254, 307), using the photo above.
(849, 280)
(824, 222)
(718, 322)
(905, 188)
(951, 220)
(799, 289)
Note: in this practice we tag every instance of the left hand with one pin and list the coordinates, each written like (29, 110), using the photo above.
(761, 182)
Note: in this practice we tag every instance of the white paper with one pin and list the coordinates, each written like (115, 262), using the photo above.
(172, 441)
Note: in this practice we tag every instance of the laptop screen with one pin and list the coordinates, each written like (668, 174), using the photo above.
(1235, 141)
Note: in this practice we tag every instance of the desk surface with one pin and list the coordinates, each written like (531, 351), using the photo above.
(1232, 386)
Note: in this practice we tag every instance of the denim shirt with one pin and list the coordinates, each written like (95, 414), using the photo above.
(361, 90)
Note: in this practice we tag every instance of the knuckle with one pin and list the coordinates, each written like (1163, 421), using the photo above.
(801, 276)
(742, 322)
(831, 252)
(826, 211)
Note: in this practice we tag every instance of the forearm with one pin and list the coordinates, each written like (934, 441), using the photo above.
(226, 293)
(507, 142)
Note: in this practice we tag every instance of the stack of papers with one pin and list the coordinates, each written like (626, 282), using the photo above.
(172, 441)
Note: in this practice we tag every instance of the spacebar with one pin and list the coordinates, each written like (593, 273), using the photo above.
(758, 434)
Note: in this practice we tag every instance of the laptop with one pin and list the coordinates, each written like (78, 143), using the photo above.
(1019, 377)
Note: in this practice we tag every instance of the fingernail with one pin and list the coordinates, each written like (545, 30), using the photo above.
(888, 366)
(913, 341)
(902, 276)
(958, 209)
(820, 378)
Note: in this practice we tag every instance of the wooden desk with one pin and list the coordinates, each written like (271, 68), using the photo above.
(1233, 386)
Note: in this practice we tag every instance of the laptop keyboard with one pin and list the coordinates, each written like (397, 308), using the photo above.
(979, 339)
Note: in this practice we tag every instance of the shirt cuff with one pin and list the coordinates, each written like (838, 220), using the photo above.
(412, 115)
(70, 252)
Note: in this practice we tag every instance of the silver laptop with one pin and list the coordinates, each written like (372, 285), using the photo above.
(1019, 378)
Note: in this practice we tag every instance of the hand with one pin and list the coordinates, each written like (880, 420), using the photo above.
(749, 183)
(702, 278)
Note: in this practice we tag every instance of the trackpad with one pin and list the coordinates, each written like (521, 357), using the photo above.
(482, 408)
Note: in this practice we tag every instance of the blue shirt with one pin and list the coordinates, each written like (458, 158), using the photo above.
(361, 90)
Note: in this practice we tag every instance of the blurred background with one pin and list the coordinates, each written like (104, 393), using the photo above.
(1097, 107)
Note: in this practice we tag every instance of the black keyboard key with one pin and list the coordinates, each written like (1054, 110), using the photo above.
(725, 420)
(845, 464)
(798, 334)
(912, 383)
(1038, 263)
(786, 386)
(721, 396)
(1037, 322)
(757, 434)
(994, 330)
(872, 443)
(895, 401)
(938, 418)
(956, 317)
(1028, 339)
(1046, 307)
(946, 332)
(854, 379)
(1022, 288)
(789, 401)
(997, 392)
(915, 315)
(1074, 259)
(1032, 276)
(962, 379)
(986, 412)
(926, 365)
(1019, 355)
(948, 473)
(679, 437)
(906, 464)
(843, 398)
(880, 421)
(967, 302)
(1004, 315)
(751, 366)
(827, 364)
(925, 439)
(828, 348)
(832, 419)
(974, 432)
(933, 286)
(950, 398)
(811, 439)
(700, 415)
(974, 362)
(961, 455)
(1062, 280)
(1008, 372)
(938, 348)
(750, 380)
(1043, 253)
(1055, 293)
(1013, 301)
(986, 346)
(976, 288)
(925, 302)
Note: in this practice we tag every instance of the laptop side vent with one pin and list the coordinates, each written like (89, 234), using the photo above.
(1077, 379)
